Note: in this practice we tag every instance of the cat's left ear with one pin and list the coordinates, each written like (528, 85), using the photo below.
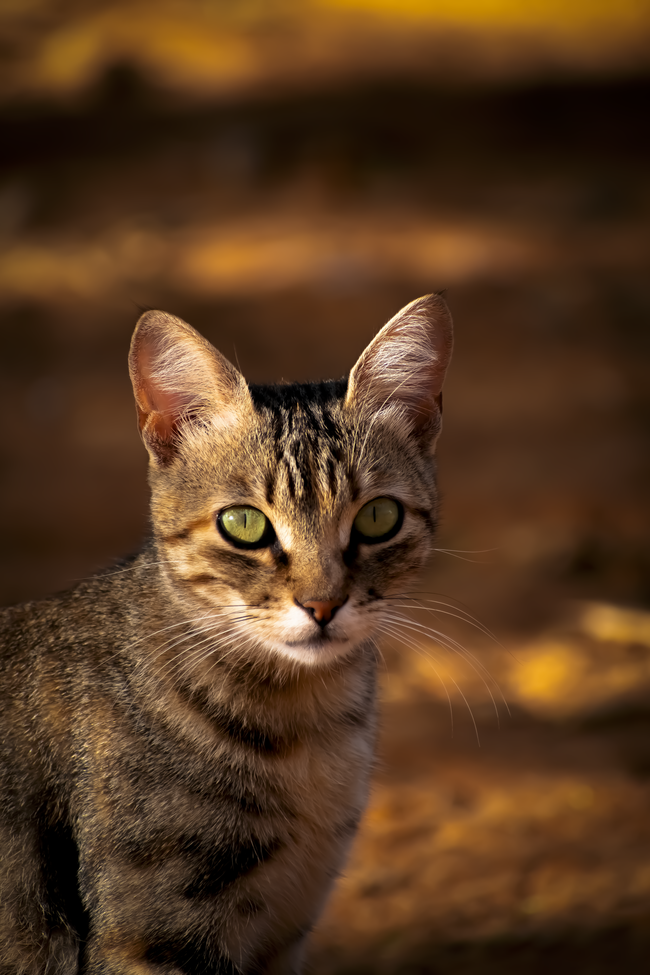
(179, 378)
(404, 366)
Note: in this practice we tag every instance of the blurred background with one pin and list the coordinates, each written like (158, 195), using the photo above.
(285, 175)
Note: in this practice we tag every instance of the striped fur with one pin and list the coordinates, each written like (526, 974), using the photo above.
(186, 749)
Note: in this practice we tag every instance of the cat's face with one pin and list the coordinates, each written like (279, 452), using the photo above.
(285, 515)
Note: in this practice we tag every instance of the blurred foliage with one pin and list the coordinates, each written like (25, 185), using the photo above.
(557, 15)
(203, 48)
(597, 663)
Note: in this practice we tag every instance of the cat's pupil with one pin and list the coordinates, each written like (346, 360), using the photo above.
(244, 526)
(379, 520)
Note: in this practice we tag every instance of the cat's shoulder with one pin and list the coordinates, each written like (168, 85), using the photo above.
(88, 611)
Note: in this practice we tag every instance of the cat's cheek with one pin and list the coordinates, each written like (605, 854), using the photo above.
(395, 561)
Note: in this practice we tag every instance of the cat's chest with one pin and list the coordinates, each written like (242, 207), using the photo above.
(305, 781)
(322, 789)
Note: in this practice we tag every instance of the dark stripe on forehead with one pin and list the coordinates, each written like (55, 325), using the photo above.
(331, 476)
(291, 484)
(306, 433)
(300, 415)
(354, 487)
(270, 488)
(276, 398)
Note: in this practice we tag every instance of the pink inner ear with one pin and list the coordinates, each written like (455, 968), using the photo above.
(424, 396)
(405, 363)
(166, 410)
(176, 375)
(159, 409)
(167, 403)
(169, 382)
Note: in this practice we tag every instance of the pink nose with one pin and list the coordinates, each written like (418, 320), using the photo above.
(322, 611)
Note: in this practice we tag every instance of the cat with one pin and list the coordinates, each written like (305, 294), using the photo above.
(187, 738)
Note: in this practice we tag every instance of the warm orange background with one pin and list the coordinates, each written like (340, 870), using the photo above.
(285, 175)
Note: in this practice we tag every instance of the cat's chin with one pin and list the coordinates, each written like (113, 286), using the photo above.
(320, 651)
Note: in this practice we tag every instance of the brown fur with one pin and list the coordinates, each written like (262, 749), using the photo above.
(187, 738)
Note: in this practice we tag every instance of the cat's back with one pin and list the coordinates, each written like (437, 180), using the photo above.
(99, 611)
(61, 662)
(78, 624)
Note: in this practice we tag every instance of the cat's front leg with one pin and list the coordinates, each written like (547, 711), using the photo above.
(131, 955)
(169, 956)
(140, 925)
(288, 961)
(35, 937)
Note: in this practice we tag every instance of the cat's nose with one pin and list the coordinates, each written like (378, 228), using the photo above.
(322, 611)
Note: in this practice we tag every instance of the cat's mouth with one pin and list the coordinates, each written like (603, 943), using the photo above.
(308, 642)
(317, 640)
(315, 650)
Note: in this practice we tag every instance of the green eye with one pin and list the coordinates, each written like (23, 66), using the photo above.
(379, 520)
(244, 526)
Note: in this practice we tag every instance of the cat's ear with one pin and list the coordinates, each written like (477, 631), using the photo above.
(179, 378)
(404, 366)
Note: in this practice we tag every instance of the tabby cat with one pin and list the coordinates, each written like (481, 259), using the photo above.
(187, 739)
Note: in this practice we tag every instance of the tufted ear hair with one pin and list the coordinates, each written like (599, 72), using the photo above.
(404, 367)
(178, 379)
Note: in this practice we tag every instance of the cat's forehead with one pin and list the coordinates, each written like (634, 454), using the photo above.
(288, 400)
(305, 435)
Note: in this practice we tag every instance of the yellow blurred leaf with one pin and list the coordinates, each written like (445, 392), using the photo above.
(605, 622)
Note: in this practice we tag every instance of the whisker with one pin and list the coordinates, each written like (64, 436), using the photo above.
(422, 650)
(444, 612)
(215, 630)
(245, 645)
(380, 655)
(189, 657)
(187, 622)
(409, 642)
(205, 633)
(442, 606)
(141, 565)
(456, 647)
(459, 553)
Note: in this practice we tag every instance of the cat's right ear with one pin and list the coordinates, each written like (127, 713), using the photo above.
(178, 378)
(403, 369)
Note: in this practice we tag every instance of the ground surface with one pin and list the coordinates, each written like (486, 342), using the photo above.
(509, 833)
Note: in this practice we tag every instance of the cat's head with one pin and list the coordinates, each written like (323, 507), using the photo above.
(285, 515)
